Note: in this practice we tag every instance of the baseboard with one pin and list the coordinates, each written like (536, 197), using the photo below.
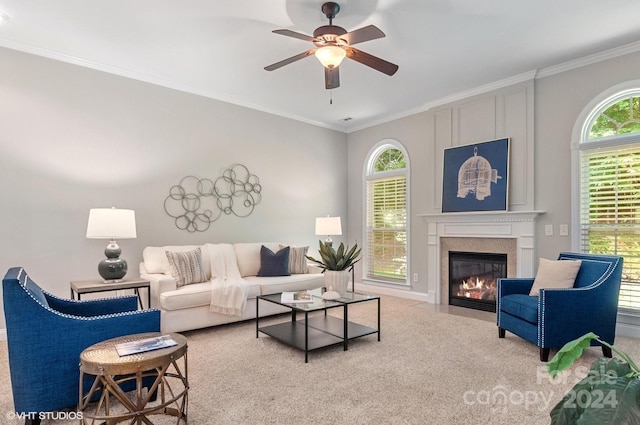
(3, 334)
(623, 329)
(394, 292)
(628, 325)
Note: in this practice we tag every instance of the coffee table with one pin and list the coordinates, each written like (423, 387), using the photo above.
(318, 331)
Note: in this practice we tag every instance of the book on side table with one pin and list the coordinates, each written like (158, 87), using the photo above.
(299, 297)
(147, 344)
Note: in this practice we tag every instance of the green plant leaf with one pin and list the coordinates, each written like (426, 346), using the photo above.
(613, 403)
(607, 396)
(567, 412)
(571, 351)
(318, 262)
(330, 259)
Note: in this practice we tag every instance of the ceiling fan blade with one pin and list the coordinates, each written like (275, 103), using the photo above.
(294, 34)
(370, 32)
(287, 61)
(331, 78)
(371, 61)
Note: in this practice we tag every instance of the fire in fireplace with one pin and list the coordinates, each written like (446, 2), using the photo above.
(473, 279)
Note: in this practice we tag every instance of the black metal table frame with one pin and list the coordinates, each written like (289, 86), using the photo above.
(358, 330)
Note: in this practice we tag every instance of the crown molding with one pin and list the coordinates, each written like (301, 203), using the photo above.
(530, 75)
(535, 74)
(588, 60)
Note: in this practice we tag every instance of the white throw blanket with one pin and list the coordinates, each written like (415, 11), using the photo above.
(228, 289)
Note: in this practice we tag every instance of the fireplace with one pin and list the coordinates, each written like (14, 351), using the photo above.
(473, 279)
(510, 232)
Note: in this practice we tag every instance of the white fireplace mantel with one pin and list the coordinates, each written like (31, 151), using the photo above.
(519, 225)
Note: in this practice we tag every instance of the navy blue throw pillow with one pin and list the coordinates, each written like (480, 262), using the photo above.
(274, 264)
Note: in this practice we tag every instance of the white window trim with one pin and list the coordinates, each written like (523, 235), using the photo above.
(367, 174)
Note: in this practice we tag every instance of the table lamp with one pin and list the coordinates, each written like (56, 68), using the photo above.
(328, 226)
(112, 224)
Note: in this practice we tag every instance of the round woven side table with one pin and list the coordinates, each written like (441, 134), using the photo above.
(163, 371)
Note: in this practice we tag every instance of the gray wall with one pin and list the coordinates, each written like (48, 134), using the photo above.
(560, 99)
(546, 111)
(413, 133)
(72, 139)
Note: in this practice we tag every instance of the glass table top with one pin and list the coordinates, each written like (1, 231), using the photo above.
(318, 303)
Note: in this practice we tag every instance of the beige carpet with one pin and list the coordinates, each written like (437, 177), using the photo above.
(430, 367)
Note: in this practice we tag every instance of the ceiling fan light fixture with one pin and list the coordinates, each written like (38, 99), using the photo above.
(331, 44)
(330, 56)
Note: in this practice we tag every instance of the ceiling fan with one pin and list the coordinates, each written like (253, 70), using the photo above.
(333, 44)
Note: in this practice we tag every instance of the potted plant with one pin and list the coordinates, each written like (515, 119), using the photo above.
(335, 265)
(609, 394)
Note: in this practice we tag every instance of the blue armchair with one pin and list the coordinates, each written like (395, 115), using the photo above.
(558, 316)
(46, 334)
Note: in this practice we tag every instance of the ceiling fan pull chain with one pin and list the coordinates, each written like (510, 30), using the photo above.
(331, 97)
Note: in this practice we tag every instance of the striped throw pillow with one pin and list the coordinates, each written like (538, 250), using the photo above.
(186, 267)
(297, 259)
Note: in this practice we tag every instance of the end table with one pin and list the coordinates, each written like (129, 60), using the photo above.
(80, 287)
(163, 366)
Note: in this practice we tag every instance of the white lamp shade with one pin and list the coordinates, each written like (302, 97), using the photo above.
(111, 223)
(328, 226)
(330, 56)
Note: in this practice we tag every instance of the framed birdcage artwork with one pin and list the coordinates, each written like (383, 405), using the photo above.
(476, 177)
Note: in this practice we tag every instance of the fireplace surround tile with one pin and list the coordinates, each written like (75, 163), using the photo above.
(510, 232)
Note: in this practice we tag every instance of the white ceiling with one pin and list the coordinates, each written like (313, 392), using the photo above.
(218, 48)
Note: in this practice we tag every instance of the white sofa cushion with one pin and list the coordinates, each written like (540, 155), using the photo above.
(248, 256)
(155, 258)
(195, 295)
(295, 282)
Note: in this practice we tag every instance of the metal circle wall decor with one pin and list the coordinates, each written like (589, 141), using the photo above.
(196, 202)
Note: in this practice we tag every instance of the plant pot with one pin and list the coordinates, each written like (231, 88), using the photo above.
(336, 280)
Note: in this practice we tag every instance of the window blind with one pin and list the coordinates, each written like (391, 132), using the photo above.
(386, 256)
(610, 212)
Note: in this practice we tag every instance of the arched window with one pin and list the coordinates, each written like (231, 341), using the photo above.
(386, 213)
(609, 204)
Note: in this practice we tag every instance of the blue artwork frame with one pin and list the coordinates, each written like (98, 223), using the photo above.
(476, 177)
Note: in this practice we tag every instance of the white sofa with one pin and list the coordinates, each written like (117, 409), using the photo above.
(187, 307)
